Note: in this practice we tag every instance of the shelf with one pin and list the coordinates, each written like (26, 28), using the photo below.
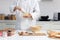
(7, 21)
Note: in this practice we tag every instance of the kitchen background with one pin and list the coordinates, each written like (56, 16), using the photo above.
(46, 8)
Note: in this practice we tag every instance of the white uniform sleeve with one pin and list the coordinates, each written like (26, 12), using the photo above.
(12, 6)
(36, 12)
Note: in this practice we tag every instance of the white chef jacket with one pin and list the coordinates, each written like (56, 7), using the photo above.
(29, 6)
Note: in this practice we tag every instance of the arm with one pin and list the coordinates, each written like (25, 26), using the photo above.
(36, 12)
(13, 6)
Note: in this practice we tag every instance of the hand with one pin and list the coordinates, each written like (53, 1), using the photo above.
(17, 8)
(27, 15)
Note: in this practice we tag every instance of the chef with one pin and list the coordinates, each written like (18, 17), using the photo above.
(25, 9)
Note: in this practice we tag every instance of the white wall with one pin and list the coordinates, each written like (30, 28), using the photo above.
(49, 8)
(4, 6)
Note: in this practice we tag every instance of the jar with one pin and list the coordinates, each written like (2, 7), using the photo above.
(2, 17)
(13, 17)
(10, 31)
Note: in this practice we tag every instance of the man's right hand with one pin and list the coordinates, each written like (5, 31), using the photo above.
(17, 8)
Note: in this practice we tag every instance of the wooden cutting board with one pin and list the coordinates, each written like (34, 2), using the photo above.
(34, 34)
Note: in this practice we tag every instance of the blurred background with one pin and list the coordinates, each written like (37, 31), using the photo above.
(49, 9)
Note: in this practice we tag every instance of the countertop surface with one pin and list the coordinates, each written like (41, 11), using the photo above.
(17, 37)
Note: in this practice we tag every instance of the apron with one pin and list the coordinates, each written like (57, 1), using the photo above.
(23, 23)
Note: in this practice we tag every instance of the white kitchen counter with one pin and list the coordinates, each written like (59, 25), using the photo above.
(17, 37)
(44, 24)
(49, 24)
(7, 24)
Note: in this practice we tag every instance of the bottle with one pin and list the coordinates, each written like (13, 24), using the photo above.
(1, 32)
(4, 34)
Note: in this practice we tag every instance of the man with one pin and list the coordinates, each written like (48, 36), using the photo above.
(21, 7)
